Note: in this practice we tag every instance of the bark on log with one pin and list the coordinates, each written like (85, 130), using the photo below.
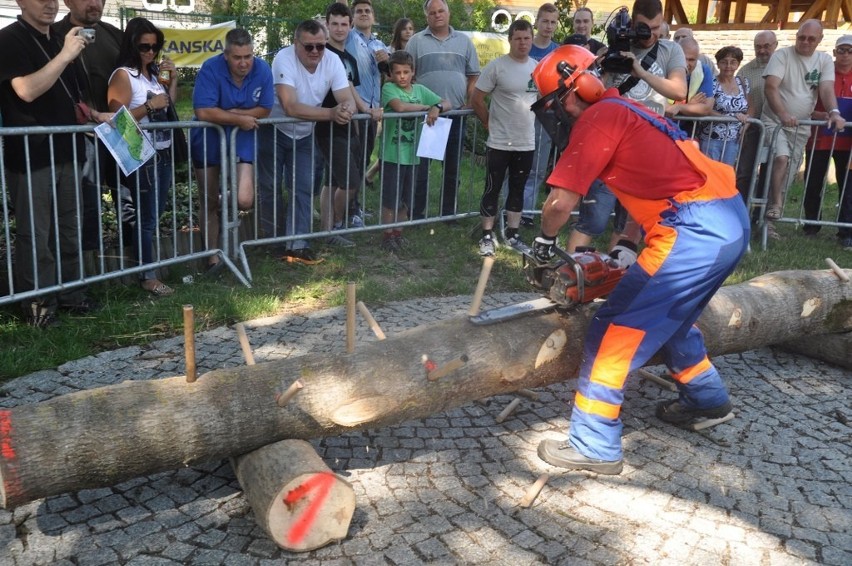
(296, 498)
(832, 348)
(103, 436)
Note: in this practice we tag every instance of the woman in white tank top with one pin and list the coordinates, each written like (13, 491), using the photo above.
(134, 85)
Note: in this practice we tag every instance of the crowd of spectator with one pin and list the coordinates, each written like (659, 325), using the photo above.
(338, 68)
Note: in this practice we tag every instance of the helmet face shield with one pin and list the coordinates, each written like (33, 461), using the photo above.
(551, 114)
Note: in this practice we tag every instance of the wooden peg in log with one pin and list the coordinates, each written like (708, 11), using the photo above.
(296, 498)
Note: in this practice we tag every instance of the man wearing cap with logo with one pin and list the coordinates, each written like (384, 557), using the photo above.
(795, 76)
(826, 145)
(696, 230)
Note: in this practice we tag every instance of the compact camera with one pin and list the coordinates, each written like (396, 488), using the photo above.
(619, 35)
(88, 34)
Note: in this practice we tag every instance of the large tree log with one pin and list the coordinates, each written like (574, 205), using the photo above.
(103, 436)
(832, 348)
(296, 498)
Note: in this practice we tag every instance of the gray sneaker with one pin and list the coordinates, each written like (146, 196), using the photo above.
(487, 246)
(516, 243)
(339, 241)
(563, 455)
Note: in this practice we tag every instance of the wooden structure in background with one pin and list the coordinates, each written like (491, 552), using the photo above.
(731, 14)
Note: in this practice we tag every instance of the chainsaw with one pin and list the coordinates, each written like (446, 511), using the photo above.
(573, 279)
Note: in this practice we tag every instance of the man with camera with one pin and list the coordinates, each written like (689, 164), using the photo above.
(644, 67)
(39, 87)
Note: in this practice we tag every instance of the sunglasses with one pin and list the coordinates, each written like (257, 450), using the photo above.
(146, 47)
(309, 47)
(843, 50)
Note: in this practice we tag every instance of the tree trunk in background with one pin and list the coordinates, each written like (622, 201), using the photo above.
(103, 436)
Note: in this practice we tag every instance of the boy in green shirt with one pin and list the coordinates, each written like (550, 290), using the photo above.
(399, 136)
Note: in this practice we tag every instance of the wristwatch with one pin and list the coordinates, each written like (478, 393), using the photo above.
(834, 111)
(439, 106)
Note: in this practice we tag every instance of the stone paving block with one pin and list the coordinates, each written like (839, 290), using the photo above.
(264, 548)
(208, 557)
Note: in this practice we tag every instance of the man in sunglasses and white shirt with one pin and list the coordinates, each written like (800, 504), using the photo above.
(303, 74)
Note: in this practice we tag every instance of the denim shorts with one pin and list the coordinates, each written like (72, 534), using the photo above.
(596, 208)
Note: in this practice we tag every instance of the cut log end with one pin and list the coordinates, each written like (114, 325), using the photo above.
(310, 511)
(296, 498)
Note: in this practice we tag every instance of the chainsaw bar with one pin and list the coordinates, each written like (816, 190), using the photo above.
(509, 312)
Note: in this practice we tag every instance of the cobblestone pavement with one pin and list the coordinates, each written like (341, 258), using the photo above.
(773, 486)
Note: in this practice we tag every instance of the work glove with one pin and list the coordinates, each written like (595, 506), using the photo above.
(543, 248)
(623, 254)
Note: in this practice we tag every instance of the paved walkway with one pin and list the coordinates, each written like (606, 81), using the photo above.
(773, 486)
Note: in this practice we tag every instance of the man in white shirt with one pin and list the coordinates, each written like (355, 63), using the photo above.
(303, 74)
(795, 76)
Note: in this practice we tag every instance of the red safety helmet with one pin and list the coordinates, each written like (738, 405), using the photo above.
(567, 67)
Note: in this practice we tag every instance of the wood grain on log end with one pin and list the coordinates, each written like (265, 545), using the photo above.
(552, 348)
(295, 497)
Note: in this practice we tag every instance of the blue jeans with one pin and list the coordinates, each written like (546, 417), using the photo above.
(279, 155)
(149, 187)
(539, 169)
(450, 177)
(595, 209)
(721, 150)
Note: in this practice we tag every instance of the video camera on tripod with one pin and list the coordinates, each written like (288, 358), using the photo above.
(619, 34)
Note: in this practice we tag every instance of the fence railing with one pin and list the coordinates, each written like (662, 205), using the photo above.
(83, 216)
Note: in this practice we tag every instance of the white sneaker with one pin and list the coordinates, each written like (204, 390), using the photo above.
(487, 245)
(356, 222)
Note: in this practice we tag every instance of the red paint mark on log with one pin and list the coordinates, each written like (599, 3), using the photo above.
(319, 486)
(11, 482)
(6, 449)
(430, 365)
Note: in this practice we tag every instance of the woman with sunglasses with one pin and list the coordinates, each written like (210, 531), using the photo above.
(134, 85)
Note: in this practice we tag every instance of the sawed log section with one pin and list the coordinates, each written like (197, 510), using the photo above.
(103, 436)
(296, 498)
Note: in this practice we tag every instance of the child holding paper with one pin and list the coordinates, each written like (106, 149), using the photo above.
(399, 137)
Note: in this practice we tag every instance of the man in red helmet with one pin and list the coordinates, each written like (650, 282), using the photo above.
(696, 229)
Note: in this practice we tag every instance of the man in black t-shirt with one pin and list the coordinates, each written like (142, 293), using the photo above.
(340, 145)
(39, 86)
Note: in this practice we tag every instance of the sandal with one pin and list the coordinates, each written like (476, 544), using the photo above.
(160, 289)
(773, 212)
(772, 233)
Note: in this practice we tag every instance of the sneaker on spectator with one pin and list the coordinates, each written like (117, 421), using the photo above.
(356, 222)
(487, 245)
(305, 256)
(339, 241)
(846, 244)
(390, 243)
(516, 243)
(41, 317)
(527, 222)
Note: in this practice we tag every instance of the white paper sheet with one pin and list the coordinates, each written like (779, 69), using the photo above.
(433, 139)
(125, 141)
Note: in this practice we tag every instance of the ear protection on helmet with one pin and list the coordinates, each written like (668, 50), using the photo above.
(567, 68)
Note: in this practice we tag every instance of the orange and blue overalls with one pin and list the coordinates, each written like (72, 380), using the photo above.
(693, 242)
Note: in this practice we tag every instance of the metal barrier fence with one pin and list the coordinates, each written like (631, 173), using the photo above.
(107, 240)
(450, 191)
(75, 220)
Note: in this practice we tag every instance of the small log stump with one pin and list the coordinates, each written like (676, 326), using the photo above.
(295, 497)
